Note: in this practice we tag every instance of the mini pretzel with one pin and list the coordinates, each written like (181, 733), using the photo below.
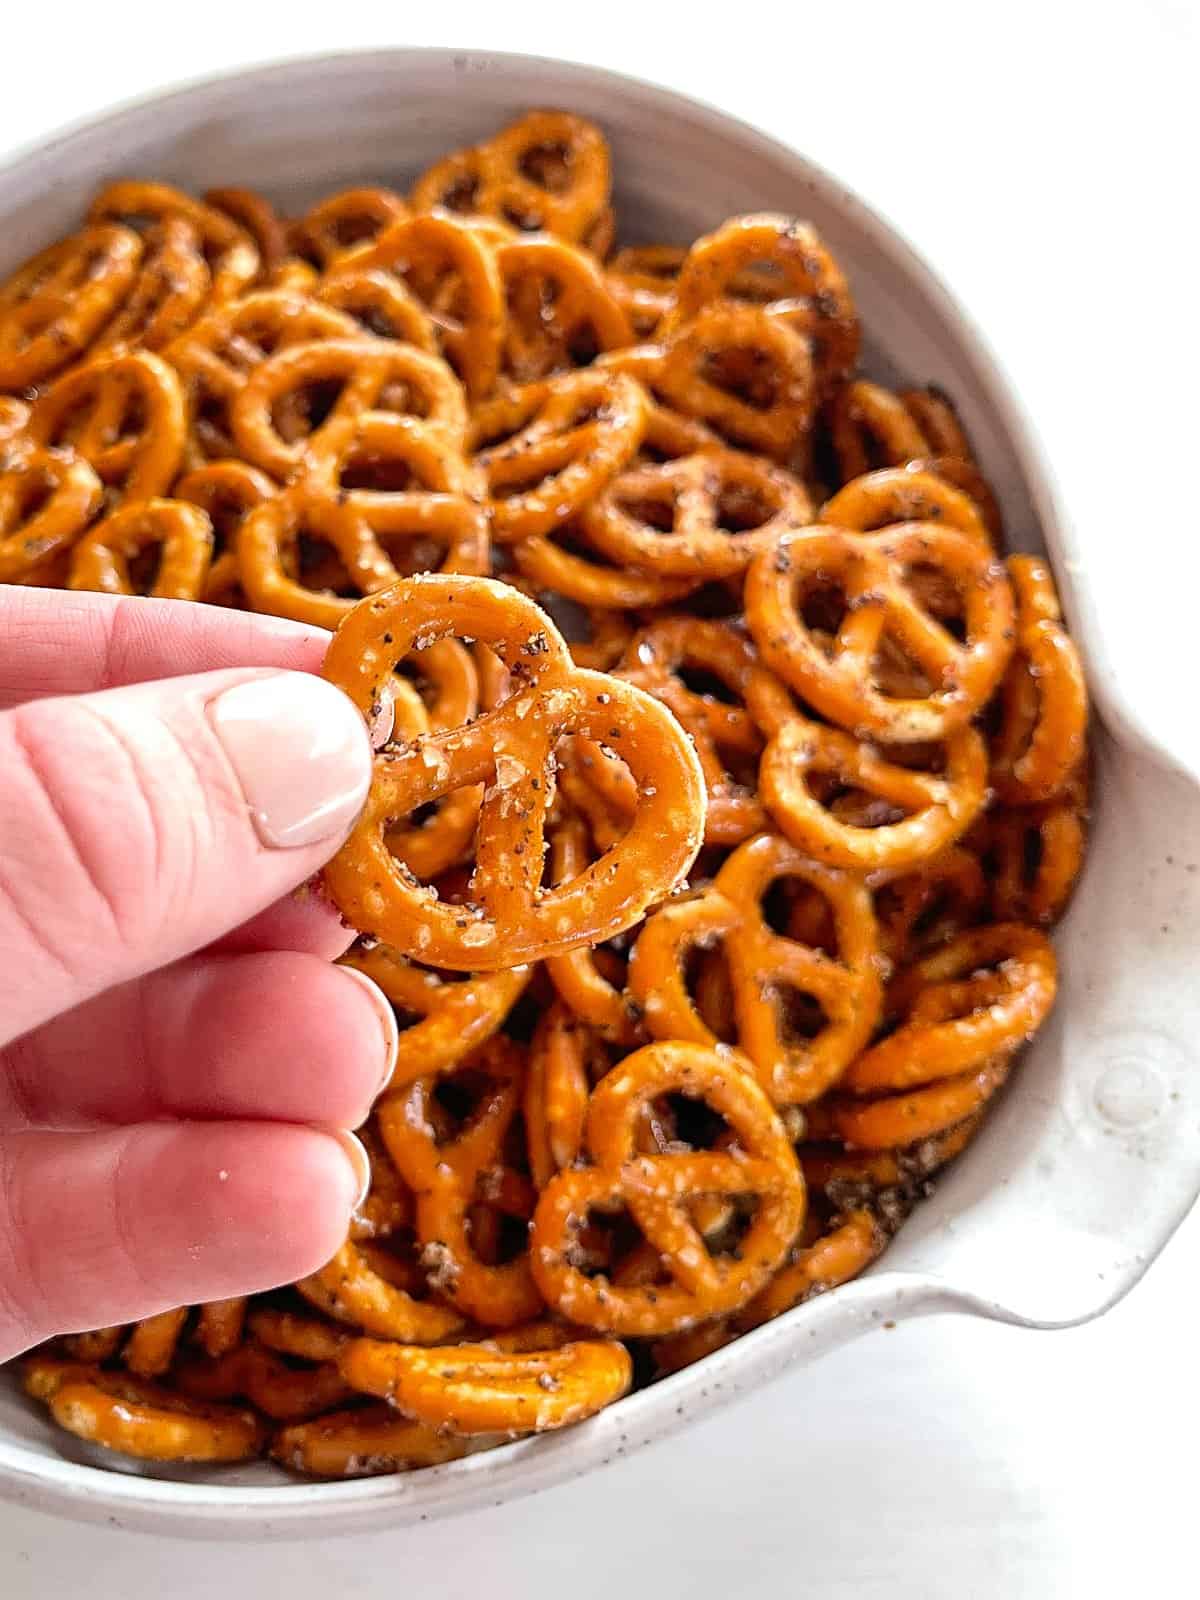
(349, 1290)
(744, 373)
(255, 215)
(453, 273)
(66, 494)
(874, 574)
(253, 1373)
(362, 1443)
(803, 284)
(381, 305)
(1043, 700)
(937, 419)
(101, 558)
(214, 357)
(449, 1177)
(847, 1249)
(151, 1346)
(961, 1025)
(138, 1418)
(558, 306)
(557, 1085)
(547, 171)
(370, 372)
(562, 441)
(915, 493)
(911, 814)
(550, 567)
(232, 257)
(657, 1191)
(227, 491)
(870, 426)
(642, 279)
(698, 516)
(53, 307)
(220, 1325)
(724, 735)
(511, 918)
(454, 1018)
(1033, 855)
(764, 967)
(124, 414)
(471, 1389)
(348, 220)
(577, 976)
(170, 289)
(921, 909)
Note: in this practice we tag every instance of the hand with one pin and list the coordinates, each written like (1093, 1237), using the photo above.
(176, 1050)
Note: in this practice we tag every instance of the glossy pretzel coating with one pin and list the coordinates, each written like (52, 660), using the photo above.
(139, 1418)
(655, 1190)
(346, 221)
(349, 1290)
(232, 257)
(804, 285)
(453, 1175)
(255, 215)
(1033, 855)
(453, 1018)
(719, 508)
(878, 500)
(560, 443)
(558, 303)
(724, 734)
(510, 919)
(873, 575)
(102, 558)
(453, 273)
(438, 516)
(471, 1389)
(1043, 701)
(547, 171)
(65, 494)
(765, 968)
(52, 307)
(907, 814)
(362, 1443)
(375, 378)
(123, 412)
(168, 294)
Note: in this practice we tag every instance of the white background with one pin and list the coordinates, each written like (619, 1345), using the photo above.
(1043, 157)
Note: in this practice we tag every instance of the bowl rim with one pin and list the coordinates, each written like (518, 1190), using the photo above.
(290, 1510)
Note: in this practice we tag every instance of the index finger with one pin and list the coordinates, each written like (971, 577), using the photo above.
(60, 642)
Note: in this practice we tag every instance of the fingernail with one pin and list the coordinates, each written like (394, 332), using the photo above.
(301, 755)
(356, 1154)
(387, 1023)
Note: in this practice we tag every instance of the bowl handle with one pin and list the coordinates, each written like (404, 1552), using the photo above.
(1092, 1158)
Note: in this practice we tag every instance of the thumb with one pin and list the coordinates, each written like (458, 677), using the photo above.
(142, 823)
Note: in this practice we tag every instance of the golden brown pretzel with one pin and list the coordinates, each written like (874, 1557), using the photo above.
(560, 310)
(766, 969)
(548, 170)
(123, 412)
(874, 575)
(54, 306)
(229, 250)
(550, 447)
(66, 494)
(656, 1189)
(168, 294)
(511, 918)
(101, 559)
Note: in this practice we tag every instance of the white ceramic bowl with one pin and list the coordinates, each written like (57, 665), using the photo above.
(1090, 1161)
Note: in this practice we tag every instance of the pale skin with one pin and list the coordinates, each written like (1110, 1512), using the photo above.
(178, 1054)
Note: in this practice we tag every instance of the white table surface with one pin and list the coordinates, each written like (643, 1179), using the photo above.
(1037, 152)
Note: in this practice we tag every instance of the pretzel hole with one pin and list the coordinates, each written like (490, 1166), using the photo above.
(548, 165)
(795, 910)
(32, 491)
(210, 422)
(745, 372)
(801, 1017)
(706, 978)
(897, 675)
(461, 193)
(315, 564)
(144, 567)
(822, 606)
(741, 508)
(939, 595)
(708, 685)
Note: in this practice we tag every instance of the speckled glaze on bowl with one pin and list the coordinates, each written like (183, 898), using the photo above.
(1090, 1161)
